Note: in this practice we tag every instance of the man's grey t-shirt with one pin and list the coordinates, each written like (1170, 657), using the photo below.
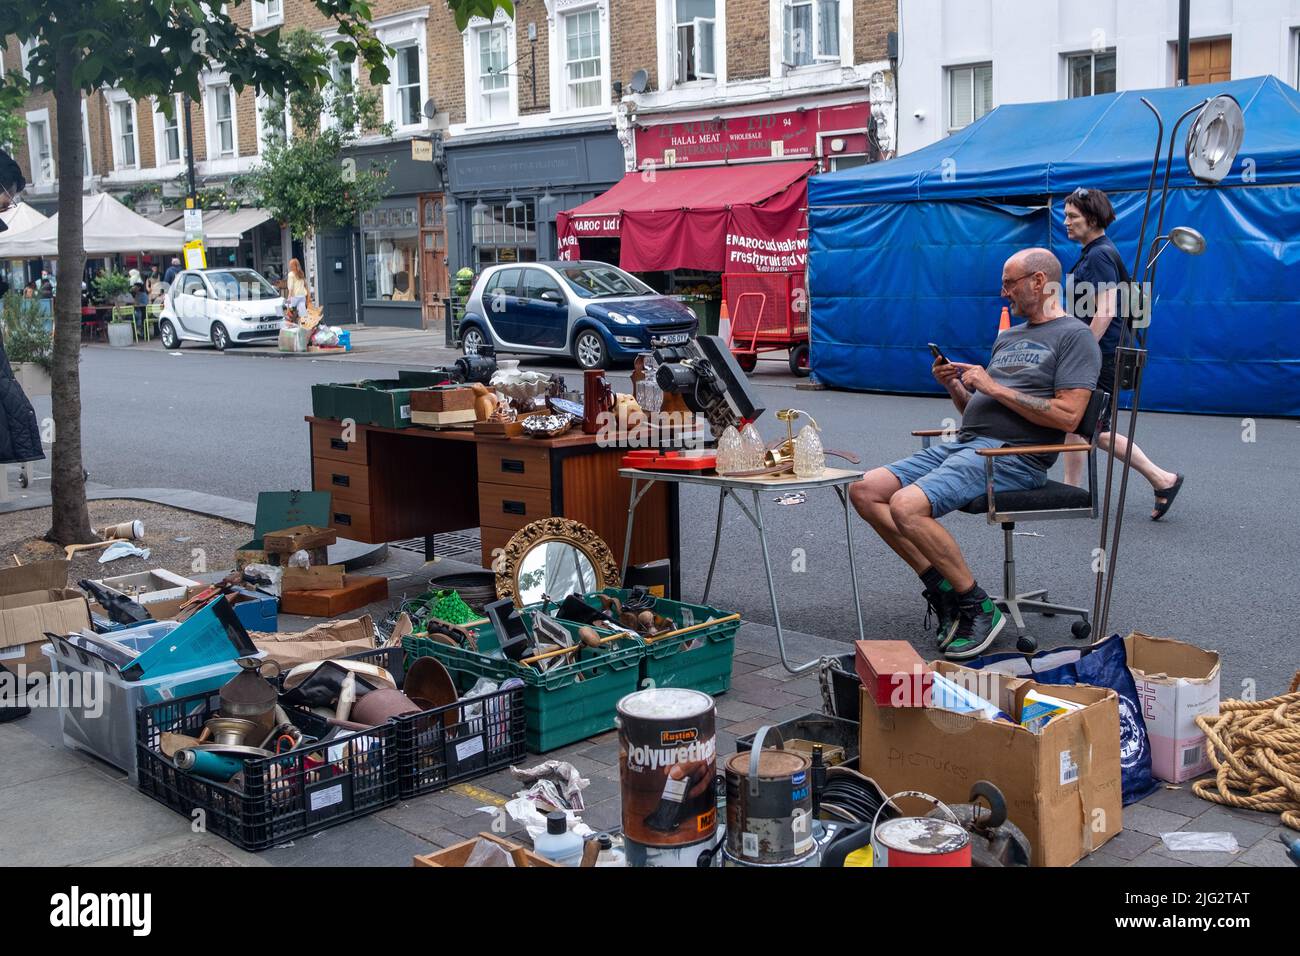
(1038, 360)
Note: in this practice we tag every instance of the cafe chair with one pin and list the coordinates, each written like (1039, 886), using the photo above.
(1054, 500)
(152, 312)
(126, 313)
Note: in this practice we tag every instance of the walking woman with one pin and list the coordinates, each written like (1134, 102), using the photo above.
(1091, 291)
(296, 288)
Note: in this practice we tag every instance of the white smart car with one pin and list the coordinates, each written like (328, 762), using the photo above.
(222, 306)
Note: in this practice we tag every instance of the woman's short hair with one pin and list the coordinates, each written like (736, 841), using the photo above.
(1094, 205)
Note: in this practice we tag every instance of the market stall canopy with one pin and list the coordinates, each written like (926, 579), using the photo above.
(910, 251)
(743, 218)
(108, 227)
(225, 229)
(19, 219)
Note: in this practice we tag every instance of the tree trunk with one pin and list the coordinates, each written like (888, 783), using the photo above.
(71, 523)
(309, 254)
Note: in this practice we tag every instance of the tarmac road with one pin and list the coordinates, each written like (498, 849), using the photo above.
(1217, 571)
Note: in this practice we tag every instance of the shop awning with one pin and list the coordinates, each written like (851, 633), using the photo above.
(108, 227)
(715, 218)
(224, 229)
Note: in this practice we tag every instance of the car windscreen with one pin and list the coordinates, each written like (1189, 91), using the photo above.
(602, 281)
(240, 285)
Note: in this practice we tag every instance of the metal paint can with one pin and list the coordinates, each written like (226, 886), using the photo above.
(668, 762)
(919, 841)
(769, 805)
(689, 855)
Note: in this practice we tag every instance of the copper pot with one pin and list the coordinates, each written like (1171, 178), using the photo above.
(380, 706)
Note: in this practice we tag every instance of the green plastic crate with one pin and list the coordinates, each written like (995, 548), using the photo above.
(385, 402)
(699, 660)
(567, 703)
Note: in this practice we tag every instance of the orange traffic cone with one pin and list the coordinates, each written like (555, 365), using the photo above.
(1004, 323)
(724, 323)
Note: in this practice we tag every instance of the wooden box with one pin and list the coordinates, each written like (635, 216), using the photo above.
(297, 538)
(443, 400)
(456, 854)
(357, 591)
(324, 577)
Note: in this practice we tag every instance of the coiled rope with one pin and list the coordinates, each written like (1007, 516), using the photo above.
(1255, 749)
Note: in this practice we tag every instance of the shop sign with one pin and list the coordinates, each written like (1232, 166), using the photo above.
(422, 150)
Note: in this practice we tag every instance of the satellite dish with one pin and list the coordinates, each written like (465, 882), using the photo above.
(1215, 139)
(430, 109)
(640, 81)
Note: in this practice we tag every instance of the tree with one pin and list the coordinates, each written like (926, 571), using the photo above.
(464, 9)
(301, 179)
(12, 95)
(149, 48)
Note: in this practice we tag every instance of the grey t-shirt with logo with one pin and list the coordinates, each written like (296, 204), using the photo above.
(1038, 360)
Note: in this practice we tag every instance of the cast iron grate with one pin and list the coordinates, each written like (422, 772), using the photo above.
(453, 544)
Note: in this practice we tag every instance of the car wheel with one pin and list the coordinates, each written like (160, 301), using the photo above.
(589, 350)
(167, 332)
(472, 340)
(220, 337)
(799, 360)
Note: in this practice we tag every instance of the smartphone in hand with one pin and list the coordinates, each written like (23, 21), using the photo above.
(938, 355)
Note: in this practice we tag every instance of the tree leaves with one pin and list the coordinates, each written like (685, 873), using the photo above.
(465, 9)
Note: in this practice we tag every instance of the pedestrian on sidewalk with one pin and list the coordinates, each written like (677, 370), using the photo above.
(296, 288)
(1092, 296)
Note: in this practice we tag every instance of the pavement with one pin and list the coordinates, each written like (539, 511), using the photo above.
(228, 425)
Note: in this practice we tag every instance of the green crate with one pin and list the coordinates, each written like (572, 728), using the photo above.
(568, 703)
(385, 402)
(699, 660)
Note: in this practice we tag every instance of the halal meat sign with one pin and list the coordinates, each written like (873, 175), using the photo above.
(723, 140)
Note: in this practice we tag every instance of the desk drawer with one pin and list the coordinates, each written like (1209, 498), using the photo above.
(511, 506)
(343, 480)
(514, 463)
(351, 520)
(327, 442)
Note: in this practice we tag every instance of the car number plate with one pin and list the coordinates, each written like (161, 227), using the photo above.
(267, 328)
(677, 338)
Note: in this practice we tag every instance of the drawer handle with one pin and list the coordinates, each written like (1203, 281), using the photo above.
(514, 508)
(343, 481)
(513, 465)
(338, 444)
(340, 518)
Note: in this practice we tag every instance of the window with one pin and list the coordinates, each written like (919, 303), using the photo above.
(87, 166)
(505, 282)
(267, 13)
(272, 120)
(170, 144)
(1091, 73)
(493, 78)
(221, 142)
(193, 284)
(341, 91)
(25, 53)
(390, 243)
(537, 281)
(502, 234)
(583, 79)
(124, 154)
(693, 33)
(970, 94)
(811, 31)
(591, 282)
(406, 87)
(40, 148)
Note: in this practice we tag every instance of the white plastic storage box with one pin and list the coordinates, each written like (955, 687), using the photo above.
(97, 708)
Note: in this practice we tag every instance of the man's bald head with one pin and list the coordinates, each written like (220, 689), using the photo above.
(1031, 280)
(1037, 260)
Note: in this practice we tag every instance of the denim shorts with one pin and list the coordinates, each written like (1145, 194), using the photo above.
(952, 474)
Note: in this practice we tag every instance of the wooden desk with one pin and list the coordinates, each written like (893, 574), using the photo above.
(390, 484)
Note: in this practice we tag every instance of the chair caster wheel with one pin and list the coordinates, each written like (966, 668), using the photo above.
(1082, 630)
(1026, 644)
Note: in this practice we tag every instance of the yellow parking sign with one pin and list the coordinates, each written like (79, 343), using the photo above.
(195, 256)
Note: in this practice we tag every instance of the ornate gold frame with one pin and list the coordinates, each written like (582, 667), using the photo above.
(506, 565)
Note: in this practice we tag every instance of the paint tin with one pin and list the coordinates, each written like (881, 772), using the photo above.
(769, 805)
(690, 855)
(667, 766)
(919, 841)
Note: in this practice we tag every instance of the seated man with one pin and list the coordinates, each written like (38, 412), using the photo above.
(1035, 390)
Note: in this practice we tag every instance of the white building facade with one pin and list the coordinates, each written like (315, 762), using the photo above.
(958, 59)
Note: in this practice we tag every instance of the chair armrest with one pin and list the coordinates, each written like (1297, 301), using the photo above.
(1030, 450)
(928, 433)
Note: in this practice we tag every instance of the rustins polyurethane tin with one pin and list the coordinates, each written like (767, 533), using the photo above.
(920, 841)
(668, 754)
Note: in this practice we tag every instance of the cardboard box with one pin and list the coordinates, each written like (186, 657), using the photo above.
(325, 577)
(298, 538)
(357, 592)
(150, 587)
(323, 642)
(893, 672)
(1062, 786)
(1176, 683)
(35, 598)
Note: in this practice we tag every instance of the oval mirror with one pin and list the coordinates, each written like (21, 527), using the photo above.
(554, 557)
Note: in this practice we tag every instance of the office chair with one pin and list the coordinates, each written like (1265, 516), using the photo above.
(1054, 500)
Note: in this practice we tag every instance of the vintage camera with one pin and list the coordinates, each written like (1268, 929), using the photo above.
(709, 380)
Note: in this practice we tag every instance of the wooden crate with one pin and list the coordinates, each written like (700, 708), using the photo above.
(457, 854)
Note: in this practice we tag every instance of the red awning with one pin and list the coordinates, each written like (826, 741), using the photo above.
(715, 218)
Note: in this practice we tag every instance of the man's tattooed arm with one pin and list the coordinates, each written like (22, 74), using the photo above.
(1031, 401)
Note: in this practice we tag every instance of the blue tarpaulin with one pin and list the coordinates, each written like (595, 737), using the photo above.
(910, 251)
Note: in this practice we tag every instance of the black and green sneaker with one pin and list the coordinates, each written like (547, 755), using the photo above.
(944, 609)
(976, 628)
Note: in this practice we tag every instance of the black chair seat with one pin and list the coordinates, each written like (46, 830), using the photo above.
(1050, 497)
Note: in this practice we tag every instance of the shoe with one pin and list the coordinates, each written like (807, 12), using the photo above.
(943, 608)
(976, 629)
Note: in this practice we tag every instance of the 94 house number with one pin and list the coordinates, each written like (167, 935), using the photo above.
(1186, 899)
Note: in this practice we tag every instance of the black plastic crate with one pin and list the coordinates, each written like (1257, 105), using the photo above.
(283, 797)
(446, 745)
